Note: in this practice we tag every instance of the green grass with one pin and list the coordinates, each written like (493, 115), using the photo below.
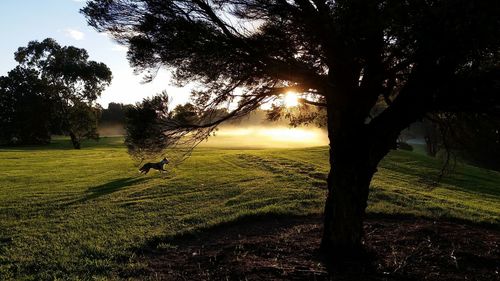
(68, 214)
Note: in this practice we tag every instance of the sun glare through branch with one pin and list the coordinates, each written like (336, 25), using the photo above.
(291, 99)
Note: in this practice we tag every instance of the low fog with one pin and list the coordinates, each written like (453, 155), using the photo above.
(111, 130)
(254, 131)
(267, 136)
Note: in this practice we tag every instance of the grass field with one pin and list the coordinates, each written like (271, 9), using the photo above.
(68, 214)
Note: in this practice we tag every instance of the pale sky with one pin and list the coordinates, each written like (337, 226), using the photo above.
(22, 21)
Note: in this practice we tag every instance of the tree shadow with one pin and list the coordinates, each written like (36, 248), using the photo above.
(244, 223)
(107, 188)
(249, 246)
(278, 246)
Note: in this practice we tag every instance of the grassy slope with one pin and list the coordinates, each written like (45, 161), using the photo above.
(68, 214)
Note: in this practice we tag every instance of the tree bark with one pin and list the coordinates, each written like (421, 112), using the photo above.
(352, 166)
(74, 140)
(348, 186)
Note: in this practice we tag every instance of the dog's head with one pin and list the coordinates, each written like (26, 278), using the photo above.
(165, 160)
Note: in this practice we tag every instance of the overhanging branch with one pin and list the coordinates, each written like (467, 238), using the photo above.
(320, 104)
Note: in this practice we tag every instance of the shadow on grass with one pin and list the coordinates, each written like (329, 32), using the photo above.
(435, 220)
(279, 246)
(272, 221)
(244, 223)
(107, 188)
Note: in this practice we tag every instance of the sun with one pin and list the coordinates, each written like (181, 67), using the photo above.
(291, 99)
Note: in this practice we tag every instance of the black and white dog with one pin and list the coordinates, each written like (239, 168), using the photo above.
(157, 166)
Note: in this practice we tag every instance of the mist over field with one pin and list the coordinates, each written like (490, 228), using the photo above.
(267, 136)
(251, 131)
(252, 136)
(111, 130)
(256, 131)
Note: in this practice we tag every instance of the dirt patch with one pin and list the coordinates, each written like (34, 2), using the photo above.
(287, 249)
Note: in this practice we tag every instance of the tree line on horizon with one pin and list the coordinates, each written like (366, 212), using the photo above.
(31, 113)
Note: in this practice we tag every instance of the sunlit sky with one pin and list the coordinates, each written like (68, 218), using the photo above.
(22, 21)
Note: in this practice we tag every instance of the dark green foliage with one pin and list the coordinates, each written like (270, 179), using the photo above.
(143, 126)
(146, 121)
(52, 90)
(82, 122)
(114, 114)
(186, 114)
(303, 114)
(66, 68)
(25, 108)
(475, 138)
(472, 137)
(405, 146)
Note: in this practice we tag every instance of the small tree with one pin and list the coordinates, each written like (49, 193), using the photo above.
(144, 136)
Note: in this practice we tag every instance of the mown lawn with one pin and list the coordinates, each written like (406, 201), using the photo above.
(68, 214)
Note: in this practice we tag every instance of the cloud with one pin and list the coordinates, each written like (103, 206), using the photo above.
(75, 34)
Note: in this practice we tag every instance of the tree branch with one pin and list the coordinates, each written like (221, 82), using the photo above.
(320, 104)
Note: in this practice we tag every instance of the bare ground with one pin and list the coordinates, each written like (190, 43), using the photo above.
(287, 249)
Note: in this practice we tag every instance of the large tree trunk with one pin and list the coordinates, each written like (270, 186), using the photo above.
(352, 166)
(348, 186)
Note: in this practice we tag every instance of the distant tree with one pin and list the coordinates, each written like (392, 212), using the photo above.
(114, 114)
(303, 114)
(473, 137)
(82, 123)
(432, 135)
(419, 57)
(25, 108)
(476, 138)
(186, 113)
(70, 79)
